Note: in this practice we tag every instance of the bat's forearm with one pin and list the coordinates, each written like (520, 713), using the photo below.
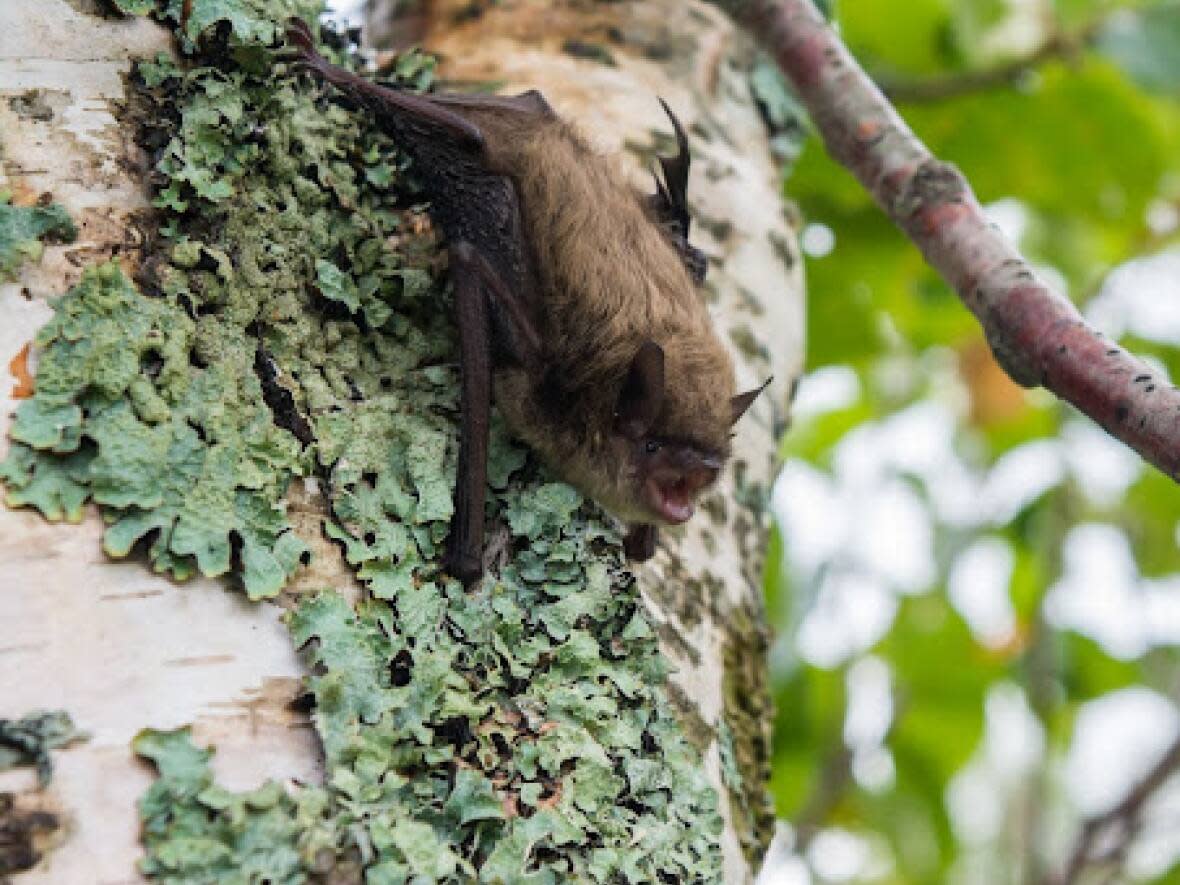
(465, 549)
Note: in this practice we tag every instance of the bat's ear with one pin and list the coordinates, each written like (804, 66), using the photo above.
(743, 401)
(642, 395)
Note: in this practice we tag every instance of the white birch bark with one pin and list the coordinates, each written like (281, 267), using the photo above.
(122, 649)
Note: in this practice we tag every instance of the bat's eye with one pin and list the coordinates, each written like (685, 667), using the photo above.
(652, 446)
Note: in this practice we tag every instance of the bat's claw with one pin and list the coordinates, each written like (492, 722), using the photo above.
(464, 565)
(300, 37)
(639, 544)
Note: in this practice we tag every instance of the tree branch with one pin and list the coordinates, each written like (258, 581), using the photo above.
(835, 778)
(1126, 817)
(1035, 333)
(830, 789)
(1059, 45)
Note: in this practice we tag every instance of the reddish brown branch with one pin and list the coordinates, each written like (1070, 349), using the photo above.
(1035, 333)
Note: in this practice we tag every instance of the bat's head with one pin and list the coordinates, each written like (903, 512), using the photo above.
(672, 436)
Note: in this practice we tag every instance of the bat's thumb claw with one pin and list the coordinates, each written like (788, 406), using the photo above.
(299, 36)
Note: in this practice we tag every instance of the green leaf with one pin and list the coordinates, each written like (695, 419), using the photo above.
(916, 42)
(1087, 672)
(810, 716)
(1150, 514)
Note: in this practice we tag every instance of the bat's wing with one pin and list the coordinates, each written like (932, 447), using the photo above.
(472, 203)
(531, 103)
(382, 100)
(494, 281)
(415, 112)
(669, 203)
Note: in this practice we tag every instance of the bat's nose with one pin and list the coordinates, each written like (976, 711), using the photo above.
(713, 462)
(699, 478)
(692, 459)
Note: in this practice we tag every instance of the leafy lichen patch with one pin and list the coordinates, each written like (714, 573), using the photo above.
(28, 740)
(517, 732)
(23, 228)
(184, 455)
(462, 743)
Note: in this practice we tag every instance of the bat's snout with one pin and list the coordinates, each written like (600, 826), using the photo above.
(671, 491)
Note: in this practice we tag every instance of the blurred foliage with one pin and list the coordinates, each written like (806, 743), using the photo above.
(1079, 150)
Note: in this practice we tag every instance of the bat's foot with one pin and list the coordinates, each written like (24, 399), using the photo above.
(464, 565)
(640, 542)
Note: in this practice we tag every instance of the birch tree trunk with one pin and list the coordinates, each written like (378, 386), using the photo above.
(122, 649)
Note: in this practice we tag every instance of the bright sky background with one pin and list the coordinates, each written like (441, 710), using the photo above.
(346, 9)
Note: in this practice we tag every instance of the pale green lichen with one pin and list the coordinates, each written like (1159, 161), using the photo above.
(22, 229)
(184, 455)
(28, 740)
(517, 732)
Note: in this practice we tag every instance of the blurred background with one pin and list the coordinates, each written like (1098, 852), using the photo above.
(975, 592)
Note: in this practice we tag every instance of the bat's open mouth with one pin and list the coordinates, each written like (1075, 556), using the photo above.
(670, 492)
(672, 500)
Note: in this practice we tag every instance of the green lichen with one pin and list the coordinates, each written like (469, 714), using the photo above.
(468, 736)
(517, 732)
(28, 740)
(744, 732)
(196, 832)
(22, 228)
(185, 455)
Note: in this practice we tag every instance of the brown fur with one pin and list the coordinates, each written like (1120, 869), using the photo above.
(610, 303)
(609, 280)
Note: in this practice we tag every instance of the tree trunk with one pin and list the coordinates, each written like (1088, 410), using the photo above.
(122, 649)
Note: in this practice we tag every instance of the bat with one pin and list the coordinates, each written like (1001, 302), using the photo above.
(577, 303)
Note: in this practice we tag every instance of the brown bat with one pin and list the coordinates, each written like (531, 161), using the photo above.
(576, 295)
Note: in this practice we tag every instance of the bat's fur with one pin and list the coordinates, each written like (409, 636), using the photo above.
(609, 279)
(608, 365)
